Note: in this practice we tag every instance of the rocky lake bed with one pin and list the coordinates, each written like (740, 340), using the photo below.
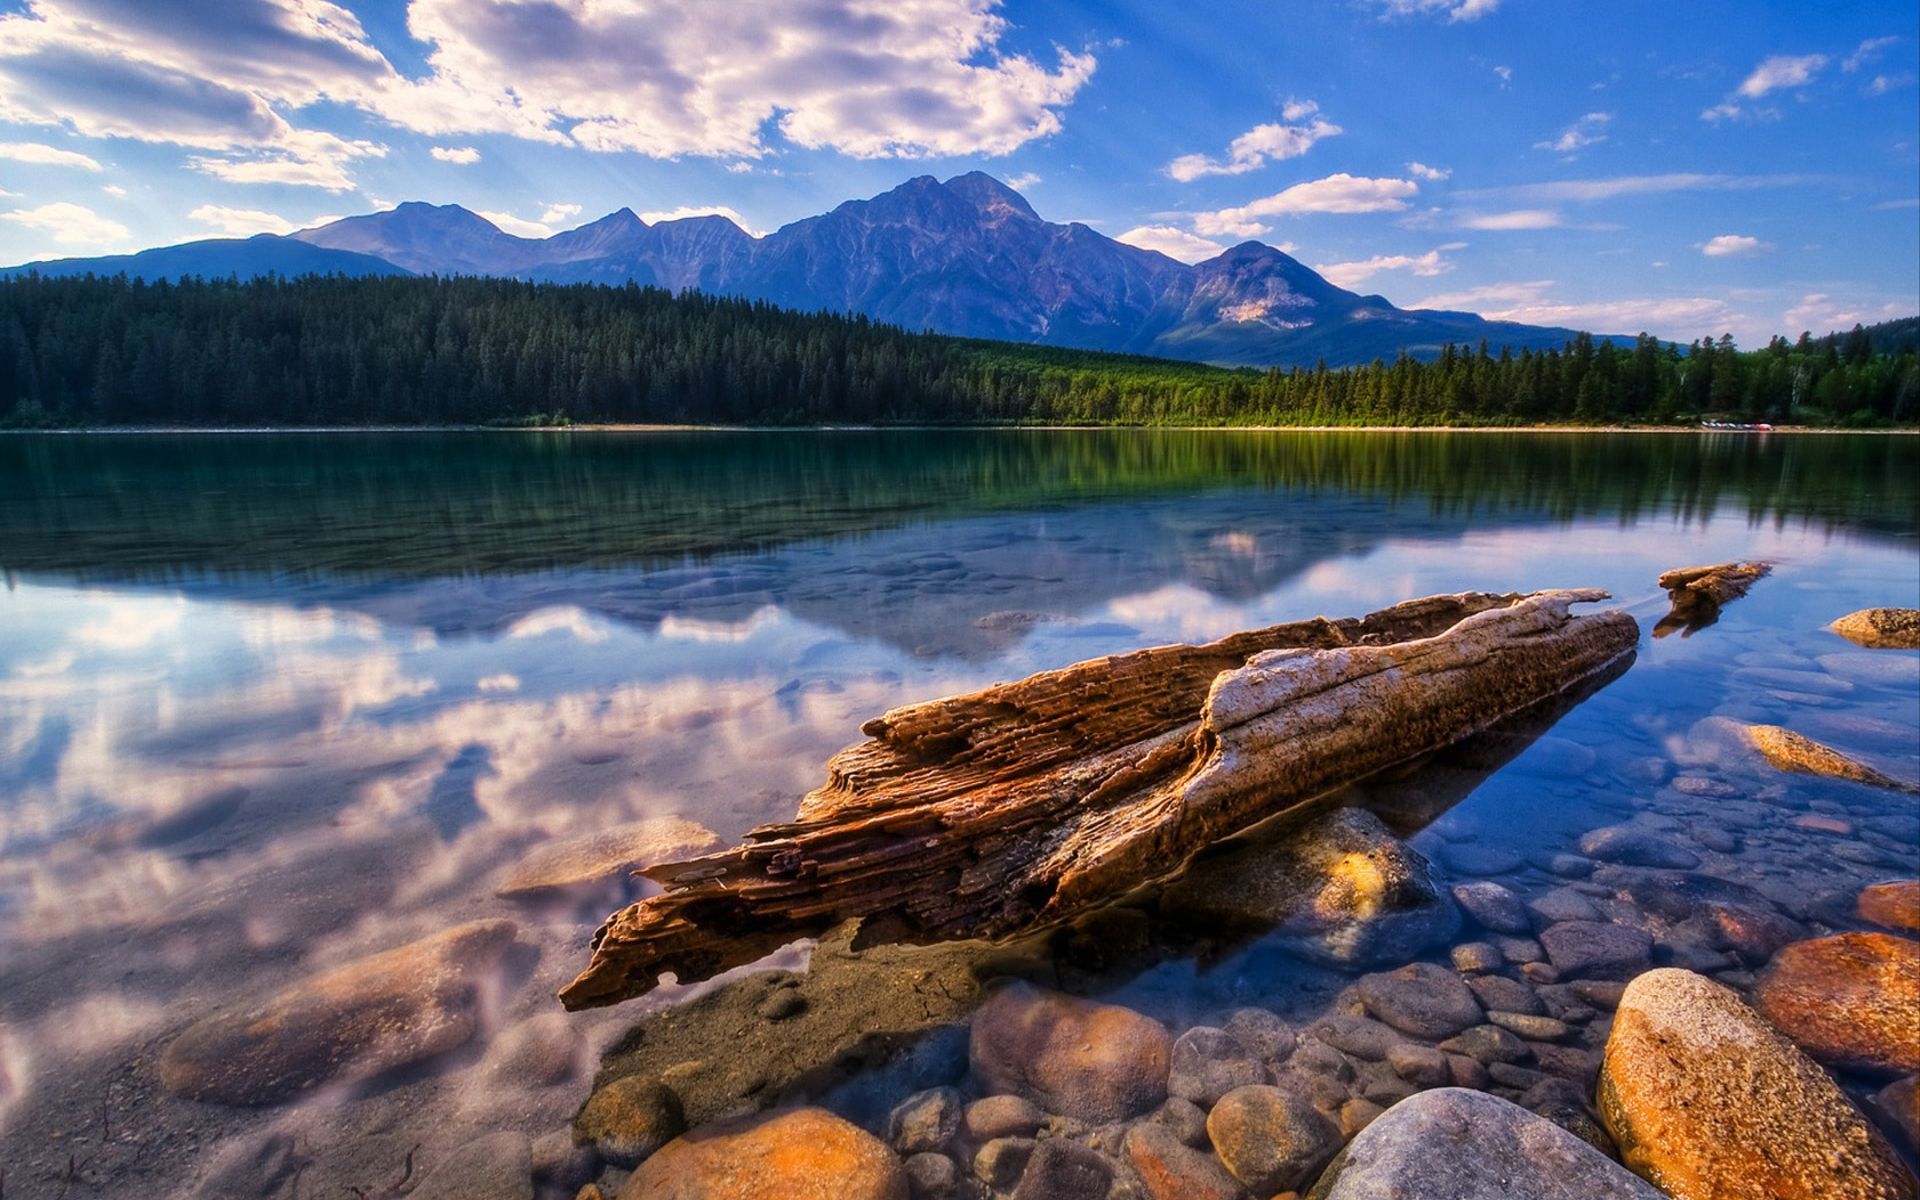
(1658, 937)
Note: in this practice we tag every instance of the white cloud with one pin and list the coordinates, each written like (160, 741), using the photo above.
(1337, 193)
(1781, 71)
(1732, 245)
(1775, 73)
(461, 155)
(69, 224)
(696, 210)
(550, 221)
(1347, 274)
(46, 156)
(1866, 52)
(1589, 190)
(1819, 313)
(1172, 242)
(1882, 84)
(1531, 302)
(115, 190)
(1023, 181)
(240, 222)
(676, 77)
(1432, 174)
(1505, 74)
(692, 77)
(207, 77)
(1589, 130)
(1519, 218)
(1454, 10)
(1271, 142)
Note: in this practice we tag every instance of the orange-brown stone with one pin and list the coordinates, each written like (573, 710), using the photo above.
(1093, 1062)
(1893, 905)
(1851, 1000)
(797, 1154)
(1881, 628)
(1708, 1103)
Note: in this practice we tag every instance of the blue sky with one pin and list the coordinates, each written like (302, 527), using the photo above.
(1684, 168)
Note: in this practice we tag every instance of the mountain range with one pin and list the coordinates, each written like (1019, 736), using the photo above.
(967, 256)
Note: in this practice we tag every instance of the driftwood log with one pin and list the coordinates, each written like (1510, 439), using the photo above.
(1696, 594)
(984, 815)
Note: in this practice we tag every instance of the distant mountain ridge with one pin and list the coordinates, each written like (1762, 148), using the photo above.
(967, 256)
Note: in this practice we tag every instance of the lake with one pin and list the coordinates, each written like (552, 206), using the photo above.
(272, 703)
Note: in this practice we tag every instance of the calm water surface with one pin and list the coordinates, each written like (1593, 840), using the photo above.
(268, 703)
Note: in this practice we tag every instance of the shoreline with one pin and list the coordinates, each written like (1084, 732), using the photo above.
(188, 430)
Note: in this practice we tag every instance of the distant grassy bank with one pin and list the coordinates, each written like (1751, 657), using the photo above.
(339, 352)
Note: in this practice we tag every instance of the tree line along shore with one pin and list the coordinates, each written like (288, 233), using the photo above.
(339, 351)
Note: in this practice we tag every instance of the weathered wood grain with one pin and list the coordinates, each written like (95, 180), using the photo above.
(1025, 804)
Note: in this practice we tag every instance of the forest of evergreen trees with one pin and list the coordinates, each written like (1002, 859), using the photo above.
(396, 351)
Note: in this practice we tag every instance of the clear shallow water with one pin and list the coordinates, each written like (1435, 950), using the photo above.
(268, 703)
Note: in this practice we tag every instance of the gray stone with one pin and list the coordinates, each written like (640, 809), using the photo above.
(998, 1164)
(1477, 956)
(1563, 904)
(1422, 999)
(1486, 1044)
(1270, 1139)
(1208, 1063)
(1002, 1116)
(1593, 949)
(1422, 1066)
(1636, 847)
(926, 1122)
(1532, 1027)
(1493, 905)
(1358, 1036)
(1064, 1170)
(1269, 1037)
(932, 1177)
(1466, 1145)
(1518, 951)
(1507, 995)
(1184, 1120)
(496, 1167)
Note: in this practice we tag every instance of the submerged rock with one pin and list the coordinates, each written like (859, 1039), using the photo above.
(796, 1154)
(1894, 905)
(1705, 1100)
(1340, 885)
(496, 1167)
(1208, 1063)
(1467, 1145)
(628, 1119)
(348, 1023)
(1790, 751)
(1422, 999)
(1881, 628)
(1493, 905)
(1851, 1000)
(1271, 1139)
(1093, 1062)
(592, 860)
(1596, 949)
(1172, 1170)
(1898, 1105)
(1633, 846)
